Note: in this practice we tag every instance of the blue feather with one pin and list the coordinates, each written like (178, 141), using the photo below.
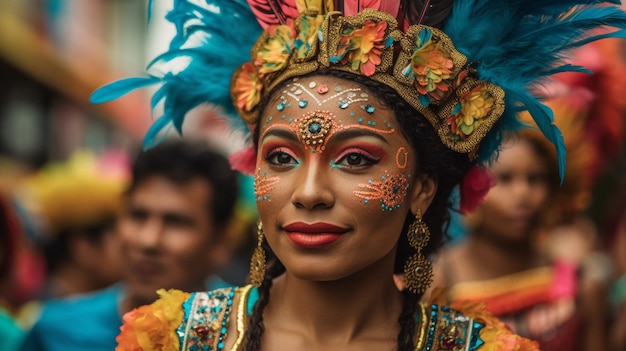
(119, 88)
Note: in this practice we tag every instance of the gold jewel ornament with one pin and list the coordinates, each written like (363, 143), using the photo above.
(421, 64)
(258, 262)
(418, 271)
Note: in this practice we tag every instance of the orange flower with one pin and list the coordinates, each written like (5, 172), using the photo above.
(431, 65)
(362, 47)
(274, 53)
(472, 107)
(247, 88)
(153, 327)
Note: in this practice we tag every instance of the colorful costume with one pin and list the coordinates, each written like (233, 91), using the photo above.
(539, 304)
(198, 321)
(469, 80)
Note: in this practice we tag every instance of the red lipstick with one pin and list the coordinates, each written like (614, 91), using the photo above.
(314, 235)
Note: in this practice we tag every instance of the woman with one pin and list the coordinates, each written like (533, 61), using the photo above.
(500, 263)
(361, 127)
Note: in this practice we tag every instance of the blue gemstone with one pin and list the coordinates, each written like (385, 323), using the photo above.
(396, 188)
(303, 103)
(343, 104)
(315, 128)
(280, 106)
(369, 109)
(360, 120)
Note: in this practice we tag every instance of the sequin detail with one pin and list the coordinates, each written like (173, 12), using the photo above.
(206, 320)
(344, 97)
(314, 127)
(450, 330)
(391, 191)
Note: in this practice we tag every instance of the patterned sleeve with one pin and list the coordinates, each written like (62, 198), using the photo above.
(153, 327)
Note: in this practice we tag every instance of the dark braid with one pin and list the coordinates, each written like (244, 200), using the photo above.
(435, 160)
(252, 336)
(406, 336)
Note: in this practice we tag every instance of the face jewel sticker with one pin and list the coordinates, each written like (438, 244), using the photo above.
(314, 127)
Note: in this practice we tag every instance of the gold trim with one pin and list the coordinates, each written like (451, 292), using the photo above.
(241, 315)
(423, 326)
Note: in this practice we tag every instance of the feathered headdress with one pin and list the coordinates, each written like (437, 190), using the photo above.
(470, 79)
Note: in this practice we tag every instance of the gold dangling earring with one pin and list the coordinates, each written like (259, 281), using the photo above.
(418, 271)
(257, 262)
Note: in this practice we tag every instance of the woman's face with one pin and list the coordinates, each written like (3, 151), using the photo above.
(512, 207)
(335, 178)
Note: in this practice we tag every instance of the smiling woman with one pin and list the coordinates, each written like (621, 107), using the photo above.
(361, 124)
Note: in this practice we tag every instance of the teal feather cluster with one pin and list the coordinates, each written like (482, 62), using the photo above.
(212, 39)
(518, 44)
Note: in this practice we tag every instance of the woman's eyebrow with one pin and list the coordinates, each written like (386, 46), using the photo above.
(281, 133)
(351, 133)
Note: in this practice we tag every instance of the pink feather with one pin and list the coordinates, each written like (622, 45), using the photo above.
(476, 185)
(244, 160)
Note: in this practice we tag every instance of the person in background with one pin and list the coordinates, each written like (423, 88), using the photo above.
(501, 264)
(10, 333)
(76, 204)
(172, 233)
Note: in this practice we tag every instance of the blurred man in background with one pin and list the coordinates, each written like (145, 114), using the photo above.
(172, 232)
(76, 203)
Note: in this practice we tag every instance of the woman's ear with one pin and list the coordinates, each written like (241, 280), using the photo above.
(423, 193)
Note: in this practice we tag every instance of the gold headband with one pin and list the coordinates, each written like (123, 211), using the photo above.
(421, 65)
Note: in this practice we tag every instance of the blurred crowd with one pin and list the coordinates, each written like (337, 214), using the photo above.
(89, 238)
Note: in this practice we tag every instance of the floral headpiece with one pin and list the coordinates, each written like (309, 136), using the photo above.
(422, 65)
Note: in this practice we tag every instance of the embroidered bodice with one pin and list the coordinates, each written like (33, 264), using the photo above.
(200, 322)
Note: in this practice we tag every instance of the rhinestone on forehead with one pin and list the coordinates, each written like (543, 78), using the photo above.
(314, 127)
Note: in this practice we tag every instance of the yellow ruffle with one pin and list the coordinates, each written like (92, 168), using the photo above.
(153, 327)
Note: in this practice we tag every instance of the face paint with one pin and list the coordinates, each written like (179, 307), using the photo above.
(324, 157)
(314, 129)
(402, 157)
(390, 191)
(263, 185)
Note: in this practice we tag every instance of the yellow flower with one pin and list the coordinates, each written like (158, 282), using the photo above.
(153, 327)
(275, 52)
(473, 106)
(247, 88)
(432, 66)
(362, 47)
(307, 32)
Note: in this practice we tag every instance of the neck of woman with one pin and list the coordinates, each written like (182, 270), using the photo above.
(339, 310)
(501, 257)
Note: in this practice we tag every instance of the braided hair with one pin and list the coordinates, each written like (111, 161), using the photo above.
(434, 160)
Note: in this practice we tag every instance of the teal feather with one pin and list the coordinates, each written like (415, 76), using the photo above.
(119, 88)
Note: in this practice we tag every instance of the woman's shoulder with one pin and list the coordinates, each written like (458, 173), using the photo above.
(183, 321)
(465, 327)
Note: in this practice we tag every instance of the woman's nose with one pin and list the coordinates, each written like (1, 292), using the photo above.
(314, 190)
